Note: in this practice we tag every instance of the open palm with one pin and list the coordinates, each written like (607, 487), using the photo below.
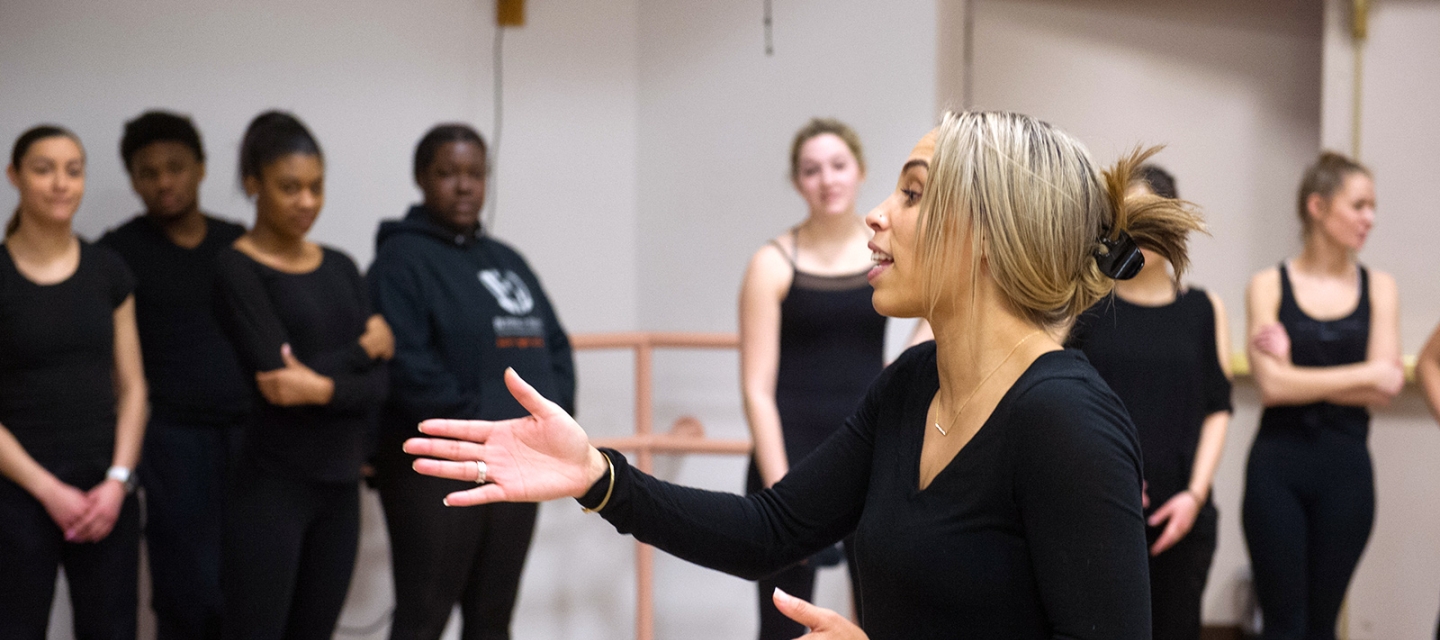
(543, 456)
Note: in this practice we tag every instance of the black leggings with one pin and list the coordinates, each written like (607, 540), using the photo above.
(102, 575)
(1308, 509)
(1177, 578)
(289, 552)
(442, 555)
(184, 473)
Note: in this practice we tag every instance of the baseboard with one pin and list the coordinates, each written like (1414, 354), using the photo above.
(1232, 632)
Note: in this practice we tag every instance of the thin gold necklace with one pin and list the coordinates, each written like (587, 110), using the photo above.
(1013, 349)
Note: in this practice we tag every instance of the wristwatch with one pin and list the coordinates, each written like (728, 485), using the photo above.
(124, 476)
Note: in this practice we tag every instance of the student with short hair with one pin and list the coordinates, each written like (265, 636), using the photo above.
(200, 396)
(465, 307)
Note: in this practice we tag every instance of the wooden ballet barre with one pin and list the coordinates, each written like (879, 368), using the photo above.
(664, 339)
(677, 444)
(687, 434)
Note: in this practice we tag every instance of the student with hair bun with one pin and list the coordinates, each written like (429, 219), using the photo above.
(72, 405)
(300, 318)
(199, 394)
(991, 479)
(1163, 349)
(1324, 346)
(465, 308)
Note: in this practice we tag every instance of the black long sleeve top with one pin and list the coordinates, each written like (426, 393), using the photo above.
(1033, 530)
(321, 314)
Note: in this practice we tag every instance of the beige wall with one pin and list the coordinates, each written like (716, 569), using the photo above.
(1396, 592)
(1244, 93)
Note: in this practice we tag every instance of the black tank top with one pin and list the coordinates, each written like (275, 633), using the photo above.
(832, 345)
(1323, 343)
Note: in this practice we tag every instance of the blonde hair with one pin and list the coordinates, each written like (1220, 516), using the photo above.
(1030, 201)
(1325, 178)
(819, 127)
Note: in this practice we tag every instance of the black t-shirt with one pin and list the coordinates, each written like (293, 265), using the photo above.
(1033, 530)
(57, 357)
(321, 315)
(1163, 363)
(194, 375)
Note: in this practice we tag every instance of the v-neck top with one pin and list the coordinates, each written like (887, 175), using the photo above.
(1033, 530)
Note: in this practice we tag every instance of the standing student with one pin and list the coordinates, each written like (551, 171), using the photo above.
(1324, 346)
(810, 341)
(991, 479)
(72, 405)
(465, 307)
(1163, 349)
(199, 394)
(300, 317)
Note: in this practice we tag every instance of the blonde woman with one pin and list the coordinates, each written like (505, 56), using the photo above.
(810, 341)
(991, 479)
(1324, 346)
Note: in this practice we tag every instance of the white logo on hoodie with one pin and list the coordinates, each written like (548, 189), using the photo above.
(509, 290)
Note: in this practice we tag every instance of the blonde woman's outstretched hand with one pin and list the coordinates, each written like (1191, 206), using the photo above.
(543, 456)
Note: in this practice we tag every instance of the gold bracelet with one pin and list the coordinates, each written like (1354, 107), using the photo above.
(608, 491)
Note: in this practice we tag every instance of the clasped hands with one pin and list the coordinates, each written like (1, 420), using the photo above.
(547, 456)
(84, 516)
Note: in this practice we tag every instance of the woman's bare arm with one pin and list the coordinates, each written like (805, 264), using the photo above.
(1373, 381)
(767, 279)
(1427, 372)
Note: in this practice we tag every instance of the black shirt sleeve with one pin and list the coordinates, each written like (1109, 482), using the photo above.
(423, 383)
(246, 312)
(1217, 385)
(359, 381)
(815, 505)
(562, 360)
(122, 280)
(1078, 480)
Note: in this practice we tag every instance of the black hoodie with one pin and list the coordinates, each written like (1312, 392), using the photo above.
(463, 308)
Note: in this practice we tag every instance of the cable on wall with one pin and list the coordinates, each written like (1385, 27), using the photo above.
(497, 70)
(769, 23)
